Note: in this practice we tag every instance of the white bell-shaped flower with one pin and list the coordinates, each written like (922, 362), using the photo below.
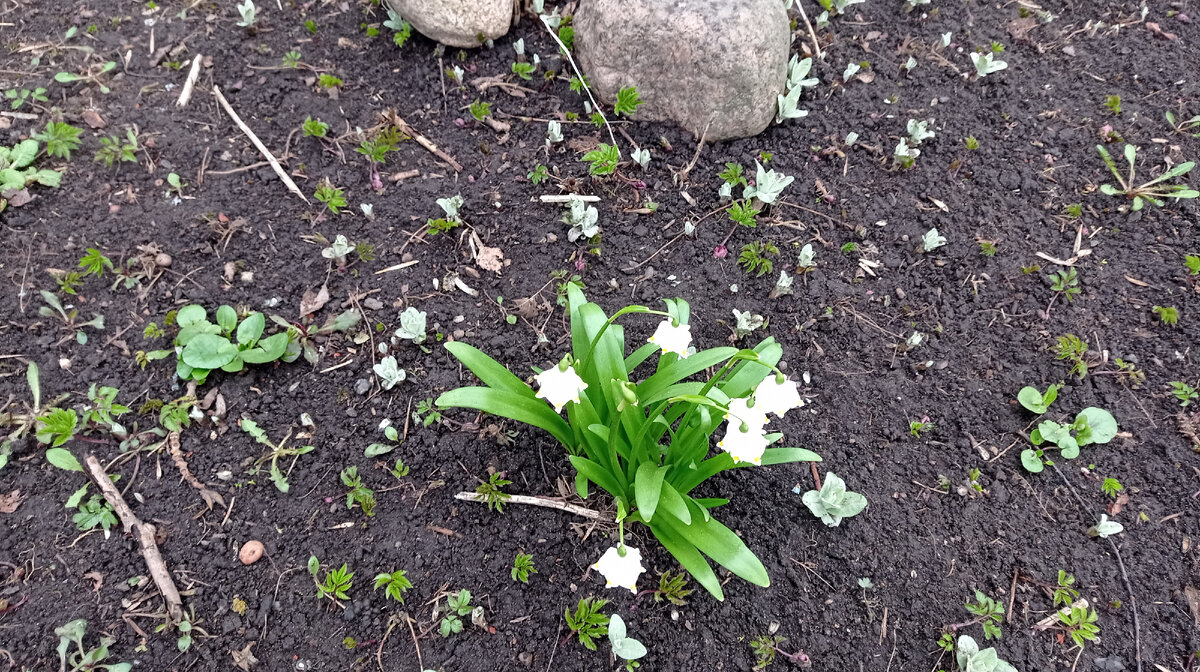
(755, 416)
(558, 386)
(672, 338)
(743, 446)
(620, 571)
(778, 398)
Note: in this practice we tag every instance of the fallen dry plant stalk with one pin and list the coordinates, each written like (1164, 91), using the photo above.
(144, 532)
(535, 501)
(262, 149)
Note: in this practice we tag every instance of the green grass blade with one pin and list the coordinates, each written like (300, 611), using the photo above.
(506, 405)
(654, 388)
(687, 555)
(488, 370)
(647, 487)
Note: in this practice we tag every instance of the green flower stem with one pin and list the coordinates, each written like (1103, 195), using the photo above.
(587, 356)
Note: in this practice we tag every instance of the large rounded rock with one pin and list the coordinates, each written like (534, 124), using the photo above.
(692, 61)
(457, 23)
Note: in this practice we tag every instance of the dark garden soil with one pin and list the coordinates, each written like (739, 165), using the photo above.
(240, 238)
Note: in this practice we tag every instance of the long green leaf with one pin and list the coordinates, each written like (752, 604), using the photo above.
(597, 474)
(688, 556)
(747, 375)
(647, 487)
(507, 405)
(654, 387)
(488, 370)
(638, 356)
(726, 548)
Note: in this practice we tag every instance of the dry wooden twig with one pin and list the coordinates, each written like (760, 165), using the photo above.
(209, 496)
(145, 536)
(536, 501)
(401, 124)
(262, 149)
(190, 83)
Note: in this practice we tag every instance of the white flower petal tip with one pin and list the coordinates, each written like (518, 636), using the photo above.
(620, 571)
(558, 387)
(777, 398)
(673, 339)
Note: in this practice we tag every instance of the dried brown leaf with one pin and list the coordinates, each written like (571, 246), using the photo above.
(97, 580)
(311, 302)
(244, 659)
(10, 502)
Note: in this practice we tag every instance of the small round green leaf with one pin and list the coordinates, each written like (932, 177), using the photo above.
(251, 328)
(208, 351)
(63, 459)
(1031, 462)
(226, 318)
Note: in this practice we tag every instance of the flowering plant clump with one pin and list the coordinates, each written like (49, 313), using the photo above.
(642, 431)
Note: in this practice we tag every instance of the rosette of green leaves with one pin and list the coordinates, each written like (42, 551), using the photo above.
(1092, 425)
(228, 344)
(641, 430)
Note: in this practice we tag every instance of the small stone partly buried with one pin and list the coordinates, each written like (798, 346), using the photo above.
(251, 551)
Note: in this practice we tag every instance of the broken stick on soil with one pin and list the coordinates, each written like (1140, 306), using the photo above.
(145, 536)
(425, 142)
(190, 82)
(536, 501)
(262, 149)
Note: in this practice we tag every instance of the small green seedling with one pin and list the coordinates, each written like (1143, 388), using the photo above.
(1092, 426)
(755, 258)
(1153, 191)
(1111, 487)
(833, 501)
(427, 413)
(1113, 103)
(971, 659)
(81, 659)
(390, 375)
(1038, 402)
(278, 450)
(1081, 624)
(627, 101)
(672, 587)
(331, 196)
(394, 584)
(744, 213)
(602, 160)
(1066, 282)
(60, 139)
(112, 150)
(314, 128)
(229, 345)
(624, 647)
(358, 494)
(401, 29)
(492, 493)
(1168, 315)
(337, 583)
(1189, 126)
(588, 622)
(1065, 593)
(1185, 393)
(918, 427)
(523, 567)
(1072, 349)
(69, 316)
(480, 110)
(986, 63)
(988, 613)
(457, 605)
(21, 96)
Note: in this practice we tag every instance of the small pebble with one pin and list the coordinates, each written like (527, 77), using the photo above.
(162, 259)
(251, 551)
(64, 364)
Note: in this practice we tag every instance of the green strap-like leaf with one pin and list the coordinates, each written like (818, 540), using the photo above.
(489, 370)
(726, 548)
(597, 474)
(687, 555)
(654, 388)
(638, 356)
(647, 487)
(507, 405)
